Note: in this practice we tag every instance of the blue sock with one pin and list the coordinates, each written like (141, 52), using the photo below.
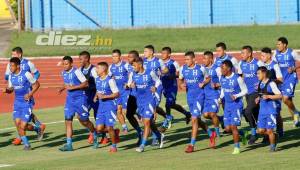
(36, 128)
(209, 132)
(37, 123)
(157, 134)
(193, 141)
(154, 136)
(144, 141)
(95, 135)
(113, 145)
(217, 129)
(169, 117)
(138, 130)
(69, 141)
(253, 131)
(272, 146)
(237, 145)
(25, 140)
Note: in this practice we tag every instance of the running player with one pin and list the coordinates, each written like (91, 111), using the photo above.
(222, 56)
(146, 84)
(119, 71)
(24, 85)
(170, 88)
(268, 94)
(26, 65)
(286, 59)
(233, 88)
(76, 101)
(107, 93)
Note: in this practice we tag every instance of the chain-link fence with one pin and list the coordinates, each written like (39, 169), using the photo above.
(93, 14)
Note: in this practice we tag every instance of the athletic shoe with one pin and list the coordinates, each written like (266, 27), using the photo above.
(169, 119)
(104, 141)
(95, 143)
(66, 148)
(17, 141)
(117, 132)
(273, 149)
(188, 118)
(252, 139)
(41, 132)
(113, 150)
(91, 138)
(189, 149)
(140, 149)
(236, 151)
(212, 139)
(165, 124)
(27, 148)
(161, 141)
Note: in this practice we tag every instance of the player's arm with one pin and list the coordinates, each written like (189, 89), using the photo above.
(7, 72)
(34, 84)
(33, 70)
(9, 89)
(113, 88)
(239, 69)
(278, 74)
(207, 78)
(277, 94)
(243, 87)
(221, 96)
(164, 68)
(296, 57)
(130, 83)
(181, 82)
(177, 68)
(235, 63)
(81, 78)
(156, 81)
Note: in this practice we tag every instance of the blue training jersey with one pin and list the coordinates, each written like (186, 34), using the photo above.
(209, 91)
(25, 65)
(74, 77)
(120, 73)
(90, 74)
(169, 80)
(155, 64)
(268, 106)
(274, 69)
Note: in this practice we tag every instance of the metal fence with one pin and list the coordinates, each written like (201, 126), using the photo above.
(94, 14)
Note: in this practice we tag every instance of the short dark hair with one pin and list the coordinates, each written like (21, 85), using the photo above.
(283, 40)
(168, 49)
(222, 45)
(151, 47)
(138, 60)
(134, 53)
(15, 60)
(209, 53)
(18, 50)
(248, 48)
(263, 69)
(266, 50)
(104, 64)
(228, 63)
(86, 54)
(69, 58)
(190, 53)
(117, 51)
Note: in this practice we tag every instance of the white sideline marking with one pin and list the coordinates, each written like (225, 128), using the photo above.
(6, 165)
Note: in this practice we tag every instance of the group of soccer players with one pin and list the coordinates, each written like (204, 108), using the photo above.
(134, 90)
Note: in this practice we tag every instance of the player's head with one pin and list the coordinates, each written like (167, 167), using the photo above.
(138, 64)
(116, 56)
(166, 53)
(14, 64)
(262, 73)
(282, 44)
(208, 58)
(246, 52)
(266, 54)
(221, 49)
(102, 68)
(226, 68)
(17, 52)
(132, 55)
(148, 51)
(189, 58)
(67, 63)
(84, 58)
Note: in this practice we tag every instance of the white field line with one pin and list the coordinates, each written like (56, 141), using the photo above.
(6, 165)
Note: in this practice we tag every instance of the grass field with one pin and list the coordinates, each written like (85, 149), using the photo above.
(45, 154)
(180, 39)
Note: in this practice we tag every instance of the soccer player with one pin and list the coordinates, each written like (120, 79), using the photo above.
(76, 101)
(268, 93)
(145, 83)
(286, 59)
(233, 88)
(222, 56)
(170, 88)
(132, 105)
(89, 71)
(107, 93)
(211, 85)
(119, 71)
(24, 85)
(191, 75)
(248, 69)
(276, 76)
(26, 65)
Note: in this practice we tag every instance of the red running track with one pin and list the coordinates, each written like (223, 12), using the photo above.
(50, 80)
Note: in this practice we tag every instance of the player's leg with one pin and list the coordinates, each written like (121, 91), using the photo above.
(292, 109)
(17, 140)
(112, 135)
(22, 133)
(100, 128)
(146, 122)
(69, 114)
(288, 91)
(250, 114)
(131, 111)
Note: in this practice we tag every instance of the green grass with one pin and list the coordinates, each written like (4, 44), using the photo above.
(45, 154)
(180, 39)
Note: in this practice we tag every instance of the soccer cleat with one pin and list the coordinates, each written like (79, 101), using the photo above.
(161, 141)
(189, 149)
(104, 141)
(66, 148)
(236, 151)
(212, 139)
(140, 149)
(252, 139)
(188, 118)
(17, 141)
(27, 148)
(41, 132)
(170, 119)
(113, 150)
(165, 124)
(91, 138)
(117, 132)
